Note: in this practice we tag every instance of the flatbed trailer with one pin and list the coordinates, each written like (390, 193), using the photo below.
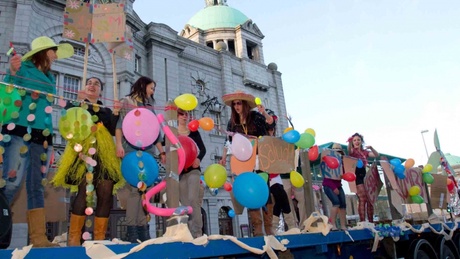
(437, 242)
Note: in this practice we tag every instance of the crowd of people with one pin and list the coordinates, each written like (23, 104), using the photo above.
(28, 148)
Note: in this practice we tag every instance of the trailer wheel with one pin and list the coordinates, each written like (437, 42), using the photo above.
(447, 249)
(421, 249)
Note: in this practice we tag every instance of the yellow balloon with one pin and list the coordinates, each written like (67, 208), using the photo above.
(409, 163)
(414, 190)
(287, 129)
(258, 101)
(186, 102)
(427, 168)
(311, 131)
(215, 176)
(296, 179)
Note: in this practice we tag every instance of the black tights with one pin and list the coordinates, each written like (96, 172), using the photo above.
(104, 199)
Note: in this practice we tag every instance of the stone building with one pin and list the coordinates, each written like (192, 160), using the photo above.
(219, 51)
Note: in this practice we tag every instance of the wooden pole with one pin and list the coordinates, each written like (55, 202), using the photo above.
(85, 65)
(308, 186)
(115, 80)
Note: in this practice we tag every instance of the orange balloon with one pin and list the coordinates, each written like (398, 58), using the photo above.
(206, 123)
(409, 163)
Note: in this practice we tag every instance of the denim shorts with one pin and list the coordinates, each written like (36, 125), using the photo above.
(337, 200)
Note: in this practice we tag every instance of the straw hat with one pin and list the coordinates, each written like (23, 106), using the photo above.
(239, 95)
(65, 50)
(337, 147)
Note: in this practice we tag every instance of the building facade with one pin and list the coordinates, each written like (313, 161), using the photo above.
(219, 51)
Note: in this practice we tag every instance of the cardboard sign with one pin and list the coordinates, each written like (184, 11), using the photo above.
(94, 22)
(373, 184)
(237, 167)
(386, 167)
(276, 156)
(123, 49)
(328, 172)
(439, 192)
(349, 165)
(413, 178)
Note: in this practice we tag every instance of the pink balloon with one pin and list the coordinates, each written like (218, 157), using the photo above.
(241, 147)
(141, 127)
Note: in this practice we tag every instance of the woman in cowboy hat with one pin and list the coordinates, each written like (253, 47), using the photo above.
(251, 123)
(28, 145)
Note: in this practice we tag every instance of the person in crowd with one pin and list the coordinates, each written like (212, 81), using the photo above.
(106, 175)
(28, 138)
(254, 124)
(189, 179)
(357, 150)
(137, 219)
(280, 196)
(334, 191)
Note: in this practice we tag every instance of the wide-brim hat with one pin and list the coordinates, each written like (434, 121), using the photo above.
(249, 98)
(337, 147)
(64, 50)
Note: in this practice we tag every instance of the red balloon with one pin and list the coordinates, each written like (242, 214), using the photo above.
(193, 125)
(191, 151)
(349, 177)
(228, 187)
(331, 162)
(313, 153)
(450, 185)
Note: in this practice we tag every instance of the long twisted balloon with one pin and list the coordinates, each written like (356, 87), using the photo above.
(166, 212)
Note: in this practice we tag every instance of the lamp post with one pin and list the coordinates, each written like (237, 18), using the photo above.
(424, 144)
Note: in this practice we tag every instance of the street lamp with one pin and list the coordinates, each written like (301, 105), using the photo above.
(424, 144)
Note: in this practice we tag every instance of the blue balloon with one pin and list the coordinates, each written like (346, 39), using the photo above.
(395, 162)
(250, 190)
(291, 136)
(139, 166)
(360, 163)
(231, 213)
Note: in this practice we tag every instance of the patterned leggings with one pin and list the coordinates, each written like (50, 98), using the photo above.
(363, 201)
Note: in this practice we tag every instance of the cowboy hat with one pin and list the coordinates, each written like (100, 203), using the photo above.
(337, 147)
(229, 98)
(64, 50)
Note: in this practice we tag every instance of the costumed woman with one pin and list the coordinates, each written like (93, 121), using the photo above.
(28, 137)
(250, 123)
(137, 218)
(74, 171)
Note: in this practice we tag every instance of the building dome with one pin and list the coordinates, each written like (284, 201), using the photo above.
(217, 16)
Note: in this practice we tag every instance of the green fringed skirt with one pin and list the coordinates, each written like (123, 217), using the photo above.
(71, 169)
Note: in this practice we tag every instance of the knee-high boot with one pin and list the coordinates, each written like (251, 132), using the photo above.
(100, 228)
(37, 228)
(76, 224)
(268, 219)
(256, 221)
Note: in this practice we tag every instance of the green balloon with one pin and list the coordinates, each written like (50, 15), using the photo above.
(306, 140)
(8, 97)
(427, 178)
(264, 176)
(417, 199)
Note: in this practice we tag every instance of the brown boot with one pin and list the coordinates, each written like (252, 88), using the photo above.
(268, 219)
(76, 224)
(256, 221)
(100, 228)
(36, 223)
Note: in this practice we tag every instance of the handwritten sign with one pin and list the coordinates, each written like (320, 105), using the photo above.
(349, 165)
(276, 156)
(373, 184)
(94, 22)
(123, 49)
(328, 172)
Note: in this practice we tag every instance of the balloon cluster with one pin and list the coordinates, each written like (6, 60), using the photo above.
(304, 140)
(387, 230)
(414, 192)
(426, 175)
(188, 102)
(398, 168)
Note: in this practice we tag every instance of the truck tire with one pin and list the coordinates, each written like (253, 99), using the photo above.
(421, 249)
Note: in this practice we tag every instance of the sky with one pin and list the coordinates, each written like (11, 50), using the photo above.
(386, 69)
